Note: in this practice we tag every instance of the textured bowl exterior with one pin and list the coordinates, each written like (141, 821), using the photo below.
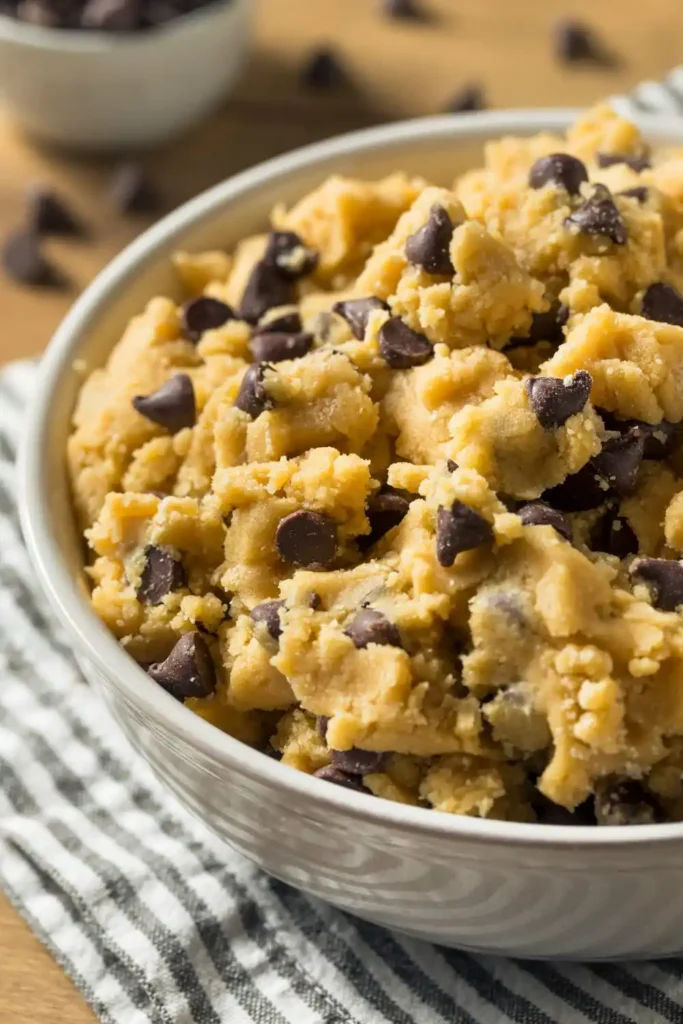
(495, 887)
(100, 91)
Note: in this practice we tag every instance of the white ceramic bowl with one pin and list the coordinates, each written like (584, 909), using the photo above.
(101, 90)
(518, 889)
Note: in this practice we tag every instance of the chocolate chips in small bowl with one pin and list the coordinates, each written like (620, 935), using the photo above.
(102, 15)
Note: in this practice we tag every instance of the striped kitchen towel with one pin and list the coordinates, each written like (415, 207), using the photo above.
(158, 923)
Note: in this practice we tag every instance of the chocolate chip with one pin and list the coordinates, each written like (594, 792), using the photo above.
(42, 13)
(204, 314)
(401, 347)
(614, 535)
(466, 100)
(252, 396)
(25, 263)
(561, 169)
(451, 465)
(171, 406)
(132, 190)
(371, 627)
(189, 670)
(288, 323)
(265, 289)
(625, 802)
(162, 574)
(288, 253)
(358, 762)
(666, 579)
(537, 513)
(314, 601)
(459, 528)
(636, 163)
(544, 327)
(321, 724)
(618, 462)
(49, 214)
(663, 303)
(385, 511)
(276, 346)
(577, 43)
(429, 246)
(330, 773)
(550, 813)
(579, 492)
(323, 70)
(307, 539)
(659, 438)
(268, 613)
(599, 216)
(406, 10)
(356, 312)
(111, 15)
(555, 399)
(639, 192)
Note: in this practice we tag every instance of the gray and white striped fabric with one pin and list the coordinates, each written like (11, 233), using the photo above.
(158, 923)
(662, 97)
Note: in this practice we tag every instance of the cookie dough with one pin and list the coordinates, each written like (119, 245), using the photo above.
(392, 493)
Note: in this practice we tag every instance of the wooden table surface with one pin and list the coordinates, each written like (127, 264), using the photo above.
(395, 69)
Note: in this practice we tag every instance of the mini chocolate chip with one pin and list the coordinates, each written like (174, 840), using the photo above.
(385, 511)
(171, 406)
(25, 263)
(598, 215)
(289, 323)
(555, 399)
(265, 289)
(618, 462)
(451, 465)
(407, 10)
(401, 347)
(49, 214)
(537, 513)
(268, 613)
(639, 192)
(358, 762)
(371, 627)
(293, 258)
(252, 397)
(429, 246)
(636, 163)
(663, 303)
(330, 773)
(459, 528)
(576, 42)
(356, 312)
(321, 724)
(544, 327)
(323, 70)
(314, 601)
(204, 314)
(660, 438)
(625, 802)
(614, 535)
(162, 574)
(189, 670)
(666, 578)
(276, 346)
(111, 15)
(307, 539)
(467, 99)
(561, 169)
(578, 492)
(133, 191)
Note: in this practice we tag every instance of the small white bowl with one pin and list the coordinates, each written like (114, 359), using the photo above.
(497, 887)
(103, 90)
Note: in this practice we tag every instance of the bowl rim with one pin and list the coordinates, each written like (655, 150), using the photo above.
(90, 634)
(94, 41)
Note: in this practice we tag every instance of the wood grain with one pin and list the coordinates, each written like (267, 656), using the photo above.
(395, 70)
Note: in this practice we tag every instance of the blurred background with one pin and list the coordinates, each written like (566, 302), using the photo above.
(315, 68)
